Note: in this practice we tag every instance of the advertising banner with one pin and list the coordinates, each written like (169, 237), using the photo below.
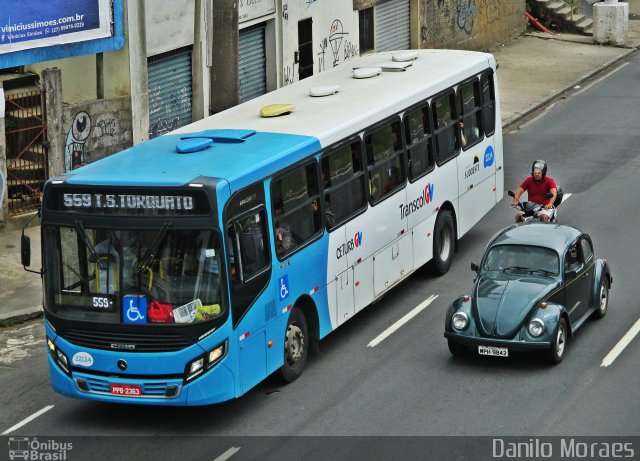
(29, 24)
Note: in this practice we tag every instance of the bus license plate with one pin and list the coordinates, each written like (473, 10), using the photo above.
(129, 390)
(494, 351)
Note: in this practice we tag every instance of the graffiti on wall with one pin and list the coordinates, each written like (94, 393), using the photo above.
(88, 137)
(74, 150)
(310, 2)
(334, 41)
(163, 114)
(466, 15)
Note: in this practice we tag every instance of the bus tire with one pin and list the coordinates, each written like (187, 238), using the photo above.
(444, 239)
(296, 346)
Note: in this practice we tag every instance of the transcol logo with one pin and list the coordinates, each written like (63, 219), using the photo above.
(345, 248)
(419, 202)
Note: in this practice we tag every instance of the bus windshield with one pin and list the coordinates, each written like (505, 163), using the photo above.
(160, 276)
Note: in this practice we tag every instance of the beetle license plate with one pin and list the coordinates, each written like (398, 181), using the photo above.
(494, 351)
(129, 390)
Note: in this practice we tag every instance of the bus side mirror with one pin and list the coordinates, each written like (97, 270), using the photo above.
(25, 250)
(475, 267)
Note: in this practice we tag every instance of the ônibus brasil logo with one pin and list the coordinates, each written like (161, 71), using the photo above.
(415, 205)
(345, 248)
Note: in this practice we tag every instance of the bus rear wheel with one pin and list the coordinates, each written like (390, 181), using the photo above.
(444, 239)
(296, 346)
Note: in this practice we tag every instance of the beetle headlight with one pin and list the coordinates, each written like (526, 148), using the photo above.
(536, 327)
(459, 320)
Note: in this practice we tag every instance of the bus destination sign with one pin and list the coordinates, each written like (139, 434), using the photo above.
(136, 204)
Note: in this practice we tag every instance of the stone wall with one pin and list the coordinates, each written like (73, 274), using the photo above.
(470, 24)
(95, 129)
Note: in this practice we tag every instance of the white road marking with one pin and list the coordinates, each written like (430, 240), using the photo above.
(565, 197)
(605, 76)
(624, 342)
(393, 328)
(28, 420)
(227, 454)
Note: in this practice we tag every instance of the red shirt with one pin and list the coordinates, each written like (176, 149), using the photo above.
(537, 191)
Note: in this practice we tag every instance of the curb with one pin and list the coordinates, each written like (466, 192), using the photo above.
(21, 316)
(560, 94)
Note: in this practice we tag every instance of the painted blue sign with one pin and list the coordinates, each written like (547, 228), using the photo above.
(283, 287)
(44, 19)
(488, 156)
(41, 30)
(135, 309)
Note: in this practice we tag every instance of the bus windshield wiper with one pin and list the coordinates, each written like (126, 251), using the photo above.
(93, 254)
(151, 253)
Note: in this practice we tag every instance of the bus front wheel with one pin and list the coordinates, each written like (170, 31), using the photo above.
(444, 239)
(296, 346)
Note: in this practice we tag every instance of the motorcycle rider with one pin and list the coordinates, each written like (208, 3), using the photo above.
(538, 185)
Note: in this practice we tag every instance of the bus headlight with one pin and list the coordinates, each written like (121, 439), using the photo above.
(59, 357)
(459, 320)
(536, 327)
(204, 362)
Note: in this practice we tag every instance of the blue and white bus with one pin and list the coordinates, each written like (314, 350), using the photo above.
(187, 269)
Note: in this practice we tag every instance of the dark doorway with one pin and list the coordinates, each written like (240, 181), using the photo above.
(305, 49)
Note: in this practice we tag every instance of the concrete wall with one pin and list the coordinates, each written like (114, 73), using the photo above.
(169, 25)
(470, 24)
(95, 130)
(335, 34)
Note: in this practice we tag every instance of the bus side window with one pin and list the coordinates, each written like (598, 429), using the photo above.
(488, 103)
(419, 142)
(384, 161)
(343, 179)
(247, 237)
(296, 209)
(470, 113)
(446, 132)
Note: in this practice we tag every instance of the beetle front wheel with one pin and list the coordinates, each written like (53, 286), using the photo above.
(559, 343)
(602, 303)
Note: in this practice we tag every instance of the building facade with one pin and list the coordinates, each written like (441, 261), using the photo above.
(185, 59)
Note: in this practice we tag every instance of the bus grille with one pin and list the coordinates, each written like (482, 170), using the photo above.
(127, 342)
(152, 388)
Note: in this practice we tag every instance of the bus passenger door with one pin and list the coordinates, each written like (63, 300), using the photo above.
(339, 278)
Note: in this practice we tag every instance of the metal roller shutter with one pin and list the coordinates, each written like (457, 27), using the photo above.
(251, 63)
(392, 26)
(170, 92)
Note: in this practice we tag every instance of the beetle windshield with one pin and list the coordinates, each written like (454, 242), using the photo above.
(522, 258)
(154, 276)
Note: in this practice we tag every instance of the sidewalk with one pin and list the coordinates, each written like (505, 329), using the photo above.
(533, 69)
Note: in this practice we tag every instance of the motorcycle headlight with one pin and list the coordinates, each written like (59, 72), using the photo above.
(536, 327)
(459, 320)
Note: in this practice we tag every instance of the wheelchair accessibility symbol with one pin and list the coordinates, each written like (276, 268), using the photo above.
(135, 309)
(283, 283)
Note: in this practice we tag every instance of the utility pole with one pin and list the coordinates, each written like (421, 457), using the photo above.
(225, 87)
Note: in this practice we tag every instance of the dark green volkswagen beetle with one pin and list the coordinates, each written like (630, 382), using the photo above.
(536, 284)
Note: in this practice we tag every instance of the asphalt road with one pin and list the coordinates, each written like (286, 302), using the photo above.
(409, 384)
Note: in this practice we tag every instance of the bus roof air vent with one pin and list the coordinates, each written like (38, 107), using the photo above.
(275, 110)
(222, 136)
(404, 56)
(191, 145)
(324, 90)
(366, 72)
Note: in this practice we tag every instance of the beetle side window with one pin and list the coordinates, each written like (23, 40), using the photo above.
(572, 259)
(587, 251)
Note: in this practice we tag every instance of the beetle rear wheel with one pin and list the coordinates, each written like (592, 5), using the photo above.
(558, 346)
(295, 346)
(603, 300)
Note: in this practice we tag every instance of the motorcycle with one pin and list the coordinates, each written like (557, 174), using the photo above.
(531, 210)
